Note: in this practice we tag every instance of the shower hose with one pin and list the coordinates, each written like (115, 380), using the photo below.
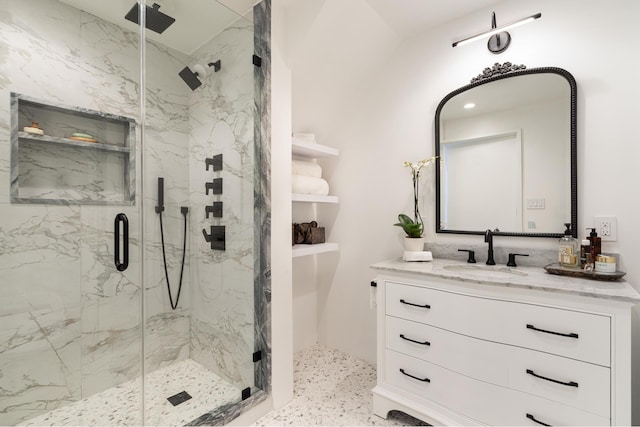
(164, 258)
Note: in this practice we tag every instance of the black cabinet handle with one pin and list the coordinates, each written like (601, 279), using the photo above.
(427, 306)
(121, 265)
(571, 335)
(569, 384)
(424, 380)
(417, 342)
(532, 418)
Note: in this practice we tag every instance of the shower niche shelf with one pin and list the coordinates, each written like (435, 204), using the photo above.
(83, 157)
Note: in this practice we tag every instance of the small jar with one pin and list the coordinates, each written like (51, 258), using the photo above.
(605, 264)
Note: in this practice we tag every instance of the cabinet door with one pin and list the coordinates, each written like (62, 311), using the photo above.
(488, 403)
(571, 382)
(568, 333)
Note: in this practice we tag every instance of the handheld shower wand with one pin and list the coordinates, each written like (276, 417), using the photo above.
(160, 205)
(184, 210)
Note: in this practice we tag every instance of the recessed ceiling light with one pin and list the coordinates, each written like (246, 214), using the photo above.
(469, 106)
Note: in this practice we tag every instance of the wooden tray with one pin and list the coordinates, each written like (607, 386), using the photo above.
(594, 275)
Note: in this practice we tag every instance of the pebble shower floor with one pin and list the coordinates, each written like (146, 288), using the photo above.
(119, 405)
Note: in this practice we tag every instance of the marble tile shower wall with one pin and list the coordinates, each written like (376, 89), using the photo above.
(222, 122)
(69, 323)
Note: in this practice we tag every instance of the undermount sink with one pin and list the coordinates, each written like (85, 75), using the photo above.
(484, 270)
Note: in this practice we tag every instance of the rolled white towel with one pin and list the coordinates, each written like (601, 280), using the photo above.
(300, 167)
(301, 184)
(409, 256)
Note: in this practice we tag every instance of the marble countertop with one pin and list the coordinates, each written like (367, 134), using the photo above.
(518, 277)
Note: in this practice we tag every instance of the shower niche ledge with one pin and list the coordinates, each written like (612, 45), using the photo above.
(70, 155)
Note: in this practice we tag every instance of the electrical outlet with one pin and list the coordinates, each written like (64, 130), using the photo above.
(606, 227)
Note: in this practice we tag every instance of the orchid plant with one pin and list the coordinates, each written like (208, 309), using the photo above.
(414, 227)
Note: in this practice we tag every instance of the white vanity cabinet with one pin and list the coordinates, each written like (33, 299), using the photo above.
(458, 350)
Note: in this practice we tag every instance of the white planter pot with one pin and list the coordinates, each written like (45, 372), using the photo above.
(414, 244)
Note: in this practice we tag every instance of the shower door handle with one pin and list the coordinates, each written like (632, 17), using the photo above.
(121, 265)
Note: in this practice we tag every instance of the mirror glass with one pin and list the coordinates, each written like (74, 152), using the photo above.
(507, 150)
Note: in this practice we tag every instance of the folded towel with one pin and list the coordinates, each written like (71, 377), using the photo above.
(300, 167)
(417, 256)
(309, 185)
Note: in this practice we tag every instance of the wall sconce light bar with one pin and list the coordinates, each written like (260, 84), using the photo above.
(497, 30)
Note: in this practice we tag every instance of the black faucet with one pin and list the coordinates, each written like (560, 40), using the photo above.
(488, 238)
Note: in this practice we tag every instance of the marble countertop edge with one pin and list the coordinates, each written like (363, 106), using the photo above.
(535, 278)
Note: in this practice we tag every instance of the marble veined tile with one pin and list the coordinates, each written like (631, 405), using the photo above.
(226, 349)
(39, 362)
(39, 257)
(100, 278)
(166, 338)
(111, 342)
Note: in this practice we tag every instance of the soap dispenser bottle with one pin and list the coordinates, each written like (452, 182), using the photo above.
(596, 243)
(569, 249)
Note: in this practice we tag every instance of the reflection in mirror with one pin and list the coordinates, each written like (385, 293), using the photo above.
(507, 149)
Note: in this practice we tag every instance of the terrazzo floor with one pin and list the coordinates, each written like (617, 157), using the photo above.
(119, 405)
(332, 389)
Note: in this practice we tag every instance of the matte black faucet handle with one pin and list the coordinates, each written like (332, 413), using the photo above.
(472, 255)
(512, 259)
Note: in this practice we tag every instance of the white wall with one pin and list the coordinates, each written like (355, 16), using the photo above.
(281, 296)
(384, 116)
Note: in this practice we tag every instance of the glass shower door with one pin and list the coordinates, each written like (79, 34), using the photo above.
(70, 319)
(199, 138)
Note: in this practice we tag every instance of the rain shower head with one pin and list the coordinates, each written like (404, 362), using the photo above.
(154, 19)
(191, 77)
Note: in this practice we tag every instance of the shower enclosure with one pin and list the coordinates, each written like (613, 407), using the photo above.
(102, 134)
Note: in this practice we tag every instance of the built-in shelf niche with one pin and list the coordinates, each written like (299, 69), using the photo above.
(310, 150)
(55, 169)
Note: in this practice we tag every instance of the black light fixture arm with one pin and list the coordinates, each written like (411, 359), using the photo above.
(499, 37)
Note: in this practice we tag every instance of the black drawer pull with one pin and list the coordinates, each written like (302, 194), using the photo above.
(569, 384)
(532, 418)
(427, 306)
(571, 335)
(417, 342)
(424, 380)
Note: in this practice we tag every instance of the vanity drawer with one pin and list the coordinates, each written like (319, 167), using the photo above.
(487, 403)
(574, 334)
(586, 386)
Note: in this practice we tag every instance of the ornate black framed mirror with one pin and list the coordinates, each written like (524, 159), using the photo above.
(507, 146)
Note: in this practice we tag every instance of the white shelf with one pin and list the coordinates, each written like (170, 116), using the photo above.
(304, 250)
(313, 198)
(311, 150)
